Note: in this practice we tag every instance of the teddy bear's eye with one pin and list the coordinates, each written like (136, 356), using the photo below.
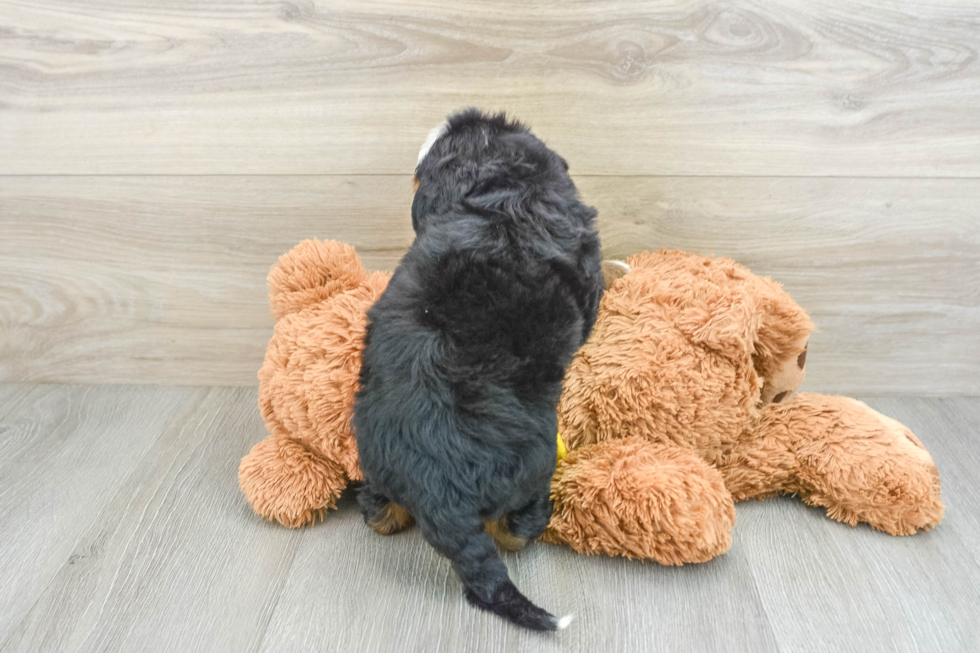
(801, 361)
(778, 398)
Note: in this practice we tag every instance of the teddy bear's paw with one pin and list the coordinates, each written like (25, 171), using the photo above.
(286, 482)
(635, 499)
(881, 475)
(899, 501)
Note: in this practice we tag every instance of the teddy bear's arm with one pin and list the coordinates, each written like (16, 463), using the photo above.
(838, 453)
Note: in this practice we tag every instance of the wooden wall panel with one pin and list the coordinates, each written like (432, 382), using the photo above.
(795, 87)
(162, 279)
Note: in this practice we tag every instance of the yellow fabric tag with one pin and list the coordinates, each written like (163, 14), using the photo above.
(562, 451)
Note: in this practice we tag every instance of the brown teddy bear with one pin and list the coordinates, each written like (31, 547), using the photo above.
(680, 403)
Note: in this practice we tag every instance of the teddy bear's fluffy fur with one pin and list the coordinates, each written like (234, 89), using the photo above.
(680, 403)
(319, 294)
(670, 410)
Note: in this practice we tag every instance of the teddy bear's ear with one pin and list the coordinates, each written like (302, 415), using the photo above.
(783, 331)
(311, 272)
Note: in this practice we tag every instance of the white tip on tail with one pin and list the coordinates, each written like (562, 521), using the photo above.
(565, 621)
(433, 136)
(622, 265)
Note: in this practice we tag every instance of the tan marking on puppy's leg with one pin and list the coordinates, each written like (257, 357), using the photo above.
(393, 519)
(501, 534)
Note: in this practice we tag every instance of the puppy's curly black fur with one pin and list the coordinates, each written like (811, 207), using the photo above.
(466, 349)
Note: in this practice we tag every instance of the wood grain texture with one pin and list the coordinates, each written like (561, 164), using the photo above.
(11, 396)
(162, 279)
(831, 587)
(415, 599)
(176, 560)
(159, 552)
(619, 87)
(64, 454)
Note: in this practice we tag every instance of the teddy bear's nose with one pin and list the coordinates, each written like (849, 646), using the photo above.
(801, 361)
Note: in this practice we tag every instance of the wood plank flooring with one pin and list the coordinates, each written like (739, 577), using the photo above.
(123, 529)
(65, 454)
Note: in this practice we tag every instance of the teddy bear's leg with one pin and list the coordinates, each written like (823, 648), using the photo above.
(632, 498)
(285, 481)
(857, 463)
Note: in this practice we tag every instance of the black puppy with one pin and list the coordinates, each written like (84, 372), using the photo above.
(466, 349)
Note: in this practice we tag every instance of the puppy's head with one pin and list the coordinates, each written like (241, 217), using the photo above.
(484, 160)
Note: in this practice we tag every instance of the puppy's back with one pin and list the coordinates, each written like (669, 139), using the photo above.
(466, 349)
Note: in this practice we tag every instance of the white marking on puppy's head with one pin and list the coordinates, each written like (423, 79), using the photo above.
(434, 135)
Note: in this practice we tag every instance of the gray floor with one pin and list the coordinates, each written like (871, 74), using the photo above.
(123, 529)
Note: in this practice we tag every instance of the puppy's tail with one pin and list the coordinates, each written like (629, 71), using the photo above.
(508, 602)
(476, 562)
